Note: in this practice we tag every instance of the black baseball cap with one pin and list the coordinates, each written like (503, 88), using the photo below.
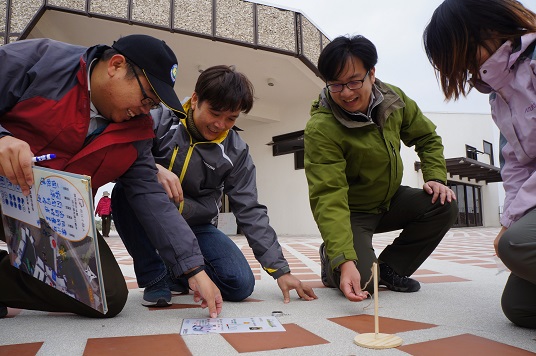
(158, 62)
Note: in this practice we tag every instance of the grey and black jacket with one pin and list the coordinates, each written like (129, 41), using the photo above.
(209, 169)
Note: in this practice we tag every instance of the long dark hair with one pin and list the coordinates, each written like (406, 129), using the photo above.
(459, 27)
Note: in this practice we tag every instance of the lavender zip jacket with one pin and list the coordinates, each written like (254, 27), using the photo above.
(511, 72)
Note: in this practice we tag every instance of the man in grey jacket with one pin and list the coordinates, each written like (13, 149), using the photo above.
(199, 159)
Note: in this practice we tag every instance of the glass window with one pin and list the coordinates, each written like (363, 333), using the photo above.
(488, 149)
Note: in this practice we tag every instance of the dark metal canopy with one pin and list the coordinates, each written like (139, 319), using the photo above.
(473, 169)
(470, 169)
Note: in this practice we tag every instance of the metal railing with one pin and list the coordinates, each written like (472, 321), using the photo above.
(231, 21)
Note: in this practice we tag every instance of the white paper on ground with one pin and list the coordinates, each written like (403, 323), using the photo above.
(230, 325)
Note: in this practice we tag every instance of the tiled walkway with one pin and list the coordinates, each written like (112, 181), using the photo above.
(457, 311)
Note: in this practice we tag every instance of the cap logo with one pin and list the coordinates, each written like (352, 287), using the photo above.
(173, 73)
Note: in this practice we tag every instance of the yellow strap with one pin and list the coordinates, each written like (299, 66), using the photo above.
(170, 168)
(173, 156)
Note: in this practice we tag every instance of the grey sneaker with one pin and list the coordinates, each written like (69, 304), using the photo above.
(326, 274)
(396, 282)
(157, 295)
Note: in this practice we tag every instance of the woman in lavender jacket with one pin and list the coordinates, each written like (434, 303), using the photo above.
(490, 45)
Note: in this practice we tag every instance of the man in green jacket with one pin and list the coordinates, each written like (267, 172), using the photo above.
(354, 171)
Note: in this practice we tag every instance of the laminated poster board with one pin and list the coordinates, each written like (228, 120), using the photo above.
(230, 325)
(51, 234)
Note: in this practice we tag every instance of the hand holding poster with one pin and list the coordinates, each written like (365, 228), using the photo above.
(51, 233)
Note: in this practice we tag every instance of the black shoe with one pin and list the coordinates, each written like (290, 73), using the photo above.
(177, 286)
(3, 309)
(396, 282)
(157, 295)
(326, 274)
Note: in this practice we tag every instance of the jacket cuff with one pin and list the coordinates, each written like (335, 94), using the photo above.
(180, 267)
(343, 257)
(505, 221)
(279, 272)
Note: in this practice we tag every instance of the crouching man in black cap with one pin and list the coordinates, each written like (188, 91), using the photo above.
(90, 107)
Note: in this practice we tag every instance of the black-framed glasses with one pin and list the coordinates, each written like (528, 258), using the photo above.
(146, 101)
(352, 85)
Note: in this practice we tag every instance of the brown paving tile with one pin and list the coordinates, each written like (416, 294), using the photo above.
(56, 314)
(316, 284)
(132, 285)
(301, 269)
(441, 279)
(465, 344)
(30, 349)
(296, 265)
(471, 261)
(294, 336)
(12, 312)
(252, 300)
(424, 271)
(487, 265)
(364, 323)
(167, 344)
(177, 306)
(309, 276)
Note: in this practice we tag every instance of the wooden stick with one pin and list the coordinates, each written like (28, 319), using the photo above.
(376, 340)
(376, 318)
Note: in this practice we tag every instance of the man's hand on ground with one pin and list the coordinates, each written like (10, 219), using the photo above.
(206, 291)
(288, 282)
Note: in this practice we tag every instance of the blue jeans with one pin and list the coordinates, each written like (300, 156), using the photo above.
(225, 263)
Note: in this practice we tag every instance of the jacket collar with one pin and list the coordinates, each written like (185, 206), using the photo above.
(188, 122)
(384, 99)
(496, 70)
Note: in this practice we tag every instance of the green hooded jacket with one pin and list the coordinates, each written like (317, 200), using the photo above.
(355, 166)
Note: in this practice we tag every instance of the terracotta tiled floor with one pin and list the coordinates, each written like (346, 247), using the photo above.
(462, 264)
(465, 344)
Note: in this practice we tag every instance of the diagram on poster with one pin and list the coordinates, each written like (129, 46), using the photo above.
(230, 325)
(51, 233)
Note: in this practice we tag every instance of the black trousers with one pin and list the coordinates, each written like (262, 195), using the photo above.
(20, 290)
(106, 224)
(517, 249)
(423, 227)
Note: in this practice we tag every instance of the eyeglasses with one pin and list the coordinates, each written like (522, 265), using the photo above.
(352, 85)
(146, 101)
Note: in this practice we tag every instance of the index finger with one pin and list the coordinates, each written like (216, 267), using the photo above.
(215, 303)
(22, 168)
(286, 295)
(306, 292)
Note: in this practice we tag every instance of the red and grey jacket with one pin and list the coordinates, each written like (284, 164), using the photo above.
(44, 101)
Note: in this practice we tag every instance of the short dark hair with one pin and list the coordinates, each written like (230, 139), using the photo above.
(458, 27)
(335, 55)
(225, 89)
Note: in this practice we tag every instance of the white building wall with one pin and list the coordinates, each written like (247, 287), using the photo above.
(284, 190)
